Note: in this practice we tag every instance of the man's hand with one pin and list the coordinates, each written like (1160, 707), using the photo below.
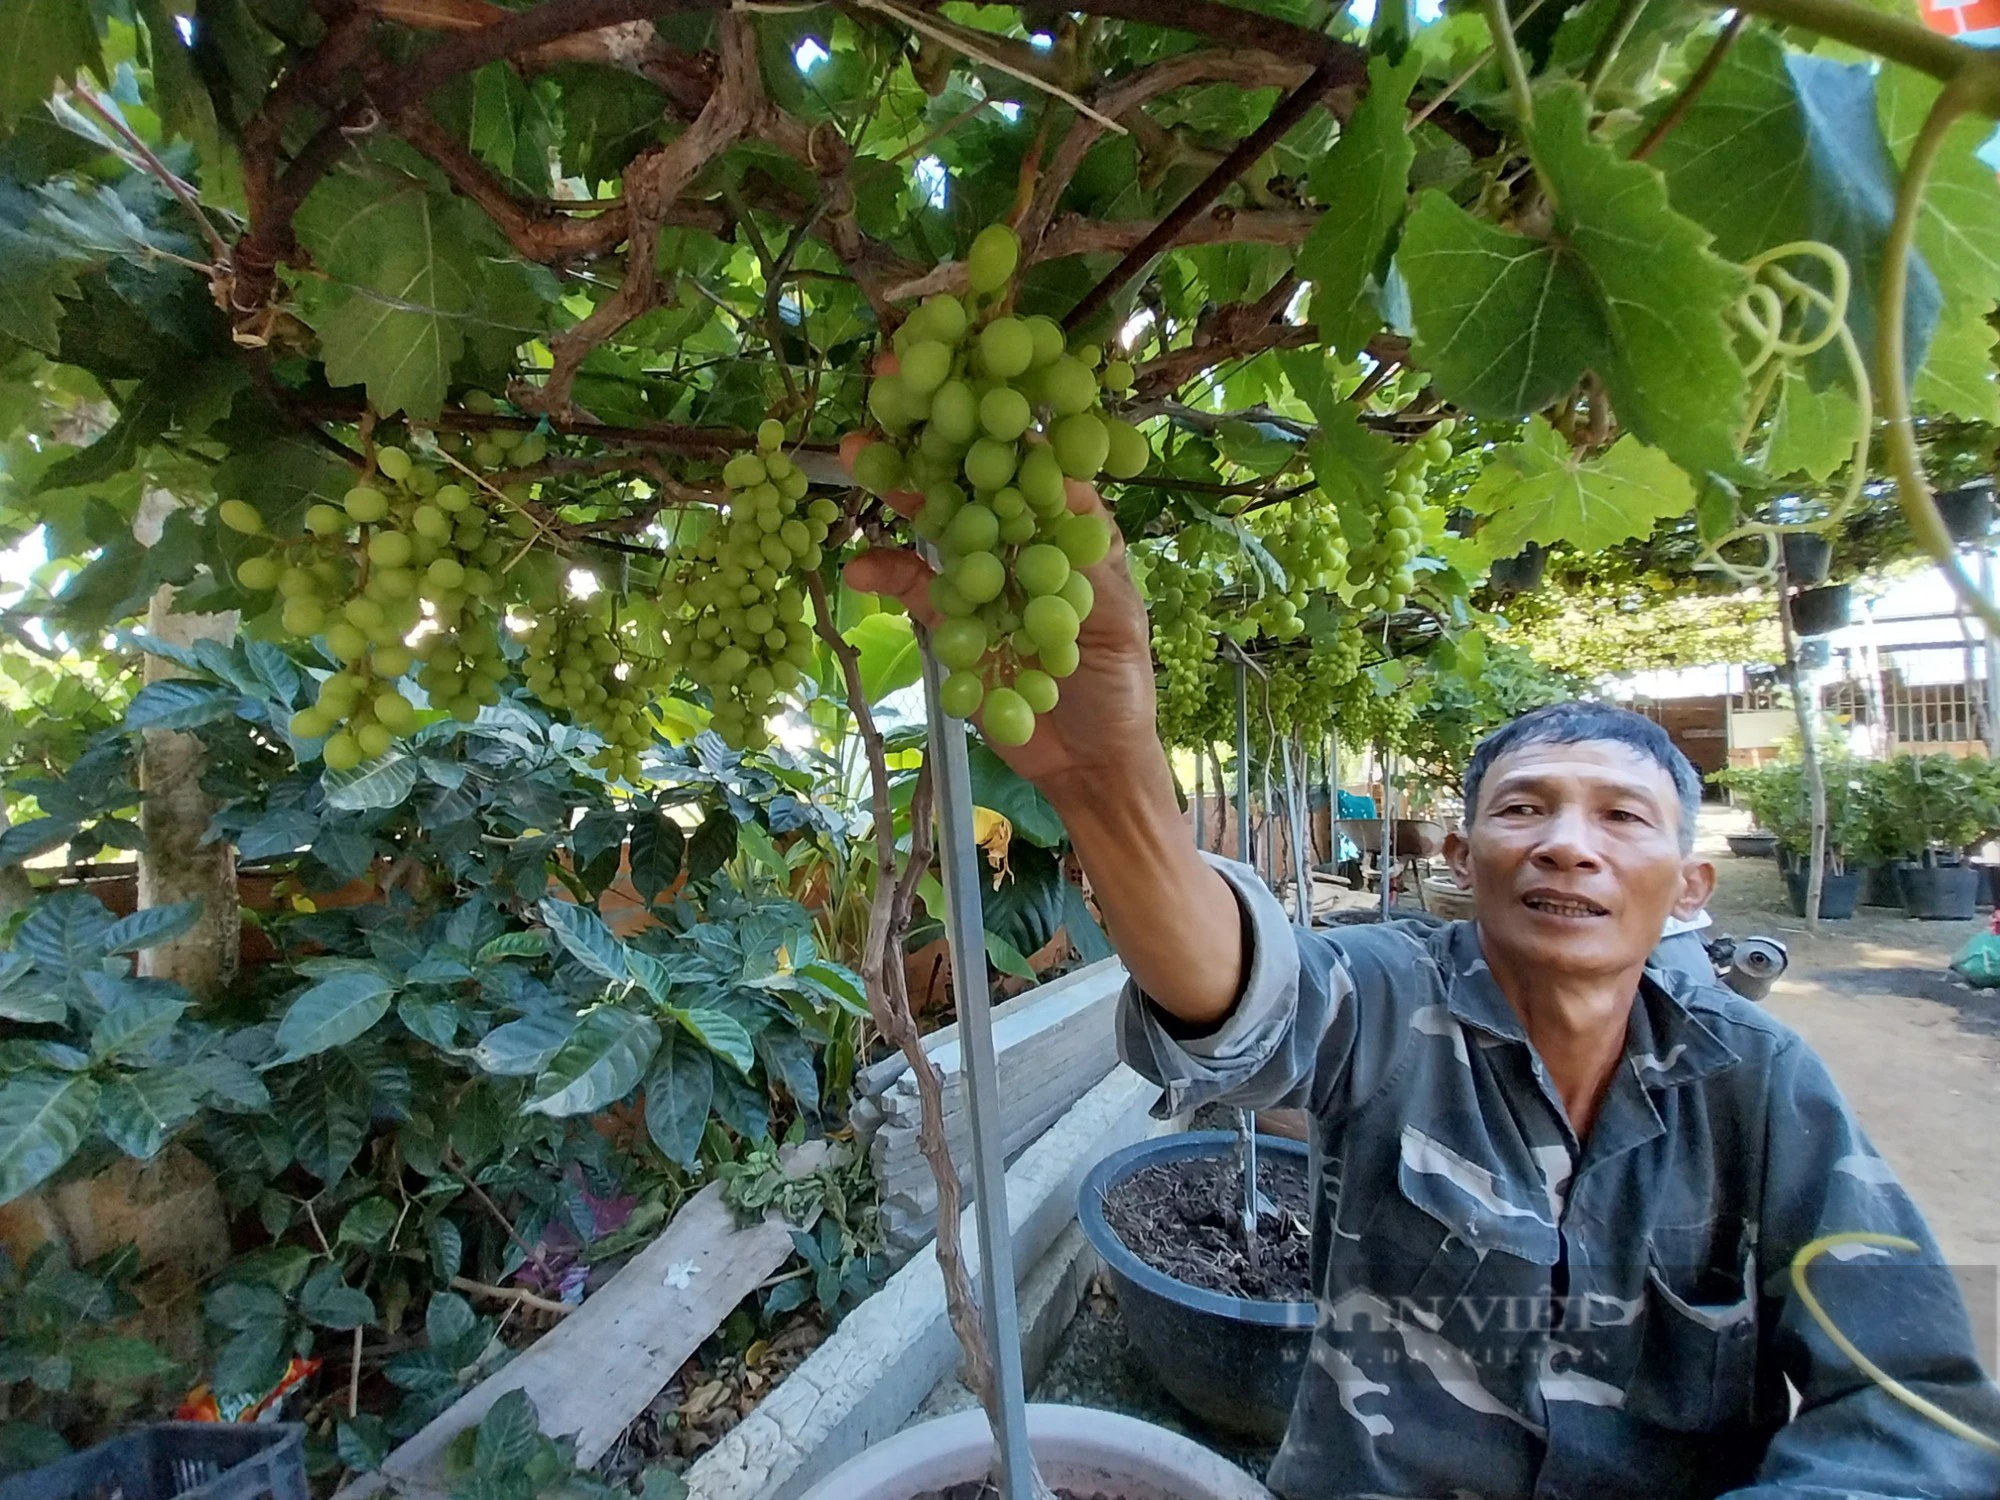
(1097, 757)
(1102, 728)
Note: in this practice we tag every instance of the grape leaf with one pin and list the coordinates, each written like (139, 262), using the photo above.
(1958, 232)
(405, 279)
(44, 40)
(1508, 322)
(1541, 491)
(1783, 146)
(42, 1120)
(36, 271)
(600, 1062)
(1364, 182)
(1813, 432)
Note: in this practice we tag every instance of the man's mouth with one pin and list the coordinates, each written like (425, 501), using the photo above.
(1556, 904)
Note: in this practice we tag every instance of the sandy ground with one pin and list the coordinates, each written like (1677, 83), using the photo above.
(1916, 1052)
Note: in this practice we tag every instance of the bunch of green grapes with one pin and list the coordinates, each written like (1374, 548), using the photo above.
(583, 658)
(1403, 527)
(1365, 717)
(735, 603)
(360, 577)
(1303, 536)
(1307, 688)
(1184, 638)
(988, 415)
(1205, 712)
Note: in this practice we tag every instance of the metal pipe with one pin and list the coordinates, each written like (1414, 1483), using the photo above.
(966, 934)
(1388, 829)
(1246, 1121)
(1301, 865)
(1199, 798)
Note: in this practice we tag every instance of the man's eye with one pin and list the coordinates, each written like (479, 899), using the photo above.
(1512, 808)
(1626, 815)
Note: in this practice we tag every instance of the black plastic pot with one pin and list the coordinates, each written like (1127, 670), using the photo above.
(1807, 557)
(1753, 845)
(1816, 611)
(1521, 573)
(1967, 513)
(1989, 886)
(1232, 1362)
(1879, 886)
(1837, 894)
(1939, 893)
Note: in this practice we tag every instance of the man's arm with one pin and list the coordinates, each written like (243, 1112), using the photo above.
(1849, 1436)
(1097, 758)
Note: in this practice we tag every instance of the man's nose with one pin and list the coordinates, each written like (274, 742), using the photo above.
(1566, 843)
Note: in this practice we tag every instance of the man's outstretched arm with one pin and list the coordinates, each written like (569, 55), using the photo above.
(1097, 758)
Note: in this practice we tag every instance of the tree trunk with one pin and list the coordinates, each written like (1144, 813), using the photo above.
(176, 865)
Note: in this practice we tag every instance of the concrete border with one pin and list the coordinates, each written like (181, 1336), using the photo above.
(862, 1384)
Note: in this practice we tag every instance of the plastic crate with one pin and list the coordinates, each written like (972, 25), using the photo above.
(177, 1461)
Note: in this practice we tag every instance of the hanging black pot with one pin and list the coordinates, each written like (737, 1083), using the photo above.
(1939, 893)
(1807, 556)
(1817, 611)
(1521, 573)
(1967, 512)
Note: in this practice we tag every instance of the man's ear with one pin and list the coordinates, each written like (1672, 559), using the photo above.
(1458, 855)
(1697, 885)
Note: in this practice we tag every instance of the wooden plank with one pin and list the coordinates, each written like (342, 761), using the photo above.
(595, 1371)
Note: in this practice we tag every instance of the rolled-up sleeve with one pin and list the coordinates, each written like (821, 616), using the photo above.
(1290, 1022)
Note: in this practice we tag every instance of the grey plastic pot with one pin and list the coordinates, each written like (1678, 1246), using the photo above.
(1233, 1362)
(1967, 513)
(1085, 1451)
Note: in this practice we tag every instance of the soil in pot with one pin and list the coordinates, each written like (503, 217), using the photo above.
(1179, 1218)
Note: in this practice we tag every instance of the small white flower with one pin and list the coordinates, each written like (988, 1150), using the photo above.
(680, 1274)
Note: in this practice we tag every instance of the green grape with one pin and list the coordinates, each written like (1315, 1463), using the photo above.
(926, 366)
(259, 574)
(1041, 569)
(960, 694)
(1069, 387)
(240, 515)
(878, 468)
(341, 752)
(1077, 590)
(990, 263)
(975, 528)
(770, 434)
(394, 463)
(1048, 339)
(451, 498)
(1059, 658)
(1041, 480)
(1128, 452)
(1008, 720)
(989, 463)
(1050, 621)
(373, 740)
(310, 724)
(979, 576)
(365, 504)
(1084, 539)
(302, 617)
(1037, 689)
(1081, 445)
(325, 520)
(1004, 413)
(1006, 347)
(943, 318)
(959, 643)
(954, 413)
(389, 549)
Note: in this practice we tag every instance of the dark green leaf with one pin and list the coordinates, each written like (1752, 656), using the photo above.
(523, 1046)
(327, 1301)
(1005, 957)
(368, 1224)
(47, 41)
(601, 1062)
(449, 1320)
(251, 1362)
(887, 654)
(1364, 182)
(509, 1433)
(436, 1021)
(150, 926)
(65, 933)
(447, 1248)
(333, 1012)
(722, 1034)
(996, 786)
(117, 1360)
(134, 1024)
(138, 1111)
(238, 1305)
(175, 703)
(380, 783)
(522, 944)
(788, 1058)
(677, 1097)
(585, 937)
(711, 845)
(362, 1442)
(43, 1117)
(657, 844)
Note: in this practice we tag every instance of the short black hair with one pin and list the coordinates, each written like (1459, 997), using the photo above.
(1575, 723)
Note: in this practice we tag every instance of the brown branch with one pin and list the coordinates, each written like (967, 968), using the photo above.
(1216, 344)
(519, 1296)
(1290, 110)
(1122, 102)
(668, 435)
(493, 1209)
(1697, 81)
(1076, 235)
(538, 231)
(883, 974)
(653, 180)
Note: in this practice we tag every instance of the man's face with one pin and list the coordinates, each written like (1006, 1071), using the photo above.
(1574, 858)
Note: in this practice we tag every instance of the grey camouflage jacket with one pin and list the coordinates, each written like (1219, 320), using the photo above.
(1504, 1311)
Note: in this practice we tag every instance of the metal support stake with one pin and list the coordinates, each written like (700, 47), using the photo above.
(1246, 1120)
(1199, 799)
(1301, 864)
(1388, 830)
(965, 932)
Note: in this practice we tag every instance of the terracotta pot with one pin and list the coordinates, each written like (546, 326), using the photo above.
(1082, 1450)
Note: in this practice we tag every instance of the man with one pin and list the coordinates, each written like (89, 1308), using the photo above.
(1557, 1195)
